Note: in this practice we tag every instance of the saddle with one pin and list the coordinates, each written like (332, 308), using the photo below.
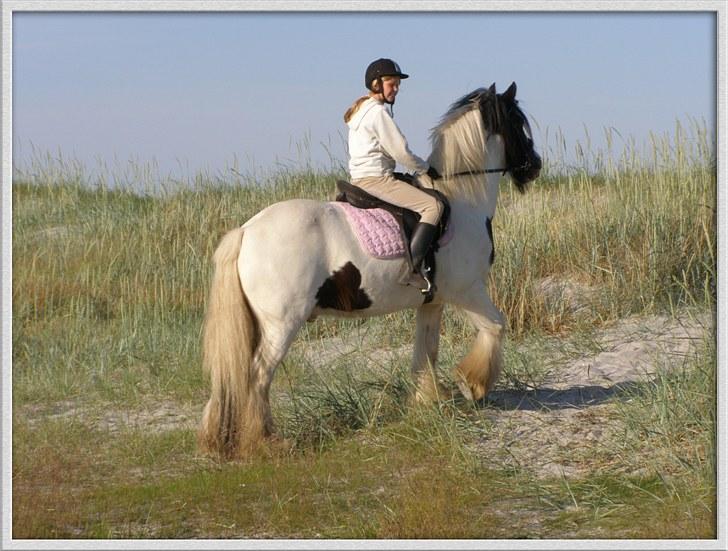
(406, 219)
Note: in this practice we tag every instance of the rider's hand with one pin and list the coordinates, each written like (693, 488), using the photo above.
(425, 180)
(433, 173)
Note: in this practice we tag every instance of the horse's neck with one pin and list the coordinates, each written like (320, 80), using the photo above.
(476, 192)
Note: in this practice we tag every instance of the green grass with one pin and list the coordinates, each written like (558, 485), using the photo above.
(109, 288)
(411, 478)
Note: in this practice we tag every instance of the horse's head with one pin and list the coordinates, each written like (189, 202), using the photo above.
(459, 140)
(502, 114)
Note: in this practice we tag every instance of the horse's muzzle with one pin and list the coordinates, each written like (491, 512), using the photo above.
(530, 170)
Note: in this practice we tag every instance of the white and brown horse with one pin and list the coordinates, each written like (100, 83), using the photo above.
(299, 259)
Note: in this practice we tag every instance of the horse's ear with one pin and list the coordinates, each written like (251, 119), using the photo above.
(510, 94)
(492, 88)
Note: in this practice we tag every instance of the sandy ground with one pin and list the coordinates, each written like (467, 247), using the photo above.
(555, 429)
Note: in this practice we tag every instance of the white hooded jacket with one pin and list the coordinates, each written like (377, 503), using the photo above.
(376, 144)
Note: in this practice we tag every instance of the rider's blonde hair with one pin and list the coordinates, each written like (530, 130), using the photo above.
(351, 111)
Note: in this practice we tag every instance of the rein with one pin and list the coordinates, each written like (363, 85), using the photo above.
(477, 172)
(486, 171)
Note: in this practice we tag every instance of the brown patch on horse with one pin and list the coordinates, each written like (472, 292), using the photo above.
(342, 290)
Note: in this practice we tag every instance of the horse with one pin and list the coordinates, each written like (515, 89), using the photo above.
(298, 259)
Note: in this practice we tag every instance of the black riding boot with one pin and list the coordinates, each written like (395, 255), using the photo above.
(422, 237)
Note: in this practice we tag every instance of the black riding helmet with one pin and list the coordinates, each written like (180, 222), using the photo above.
(379, 68)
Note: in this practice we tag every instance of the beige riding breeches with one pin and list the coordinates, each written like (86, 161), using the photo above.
(401, 194)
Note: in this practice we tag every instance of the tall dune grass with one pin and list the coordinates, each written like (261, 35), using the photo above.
(641, 234)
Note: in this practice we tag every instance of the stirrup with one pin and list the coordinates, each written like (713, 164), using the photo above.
(428, 289)
(425, 275)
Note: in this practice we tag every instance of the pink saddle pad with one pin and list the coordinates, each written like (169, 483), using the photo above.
(378, 231)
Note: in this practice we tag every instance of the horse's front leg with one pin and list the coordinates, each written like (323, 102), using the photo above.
(477, 372)
(424, 359)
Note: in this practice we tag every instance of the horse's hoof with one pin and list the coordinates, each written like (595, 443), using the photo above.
(465, 390)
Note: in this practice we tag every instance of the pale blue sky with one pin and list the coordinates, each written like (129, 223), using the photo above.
(202, 89)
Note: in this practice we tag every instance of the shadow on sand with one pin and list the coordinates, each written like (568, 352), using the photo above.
(555, 399)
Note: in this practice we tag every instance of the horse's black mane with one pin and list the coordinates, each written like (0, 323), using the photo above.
(493, 108)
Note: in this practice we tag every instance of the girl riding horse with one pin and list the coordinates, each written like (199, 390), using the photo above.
(376, 144)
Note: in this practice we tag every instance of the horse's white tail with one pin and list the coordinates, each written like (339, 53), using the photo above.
(229, 343)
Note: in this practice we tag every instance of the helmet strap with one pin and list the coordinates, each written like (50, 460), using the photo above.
(380, 84)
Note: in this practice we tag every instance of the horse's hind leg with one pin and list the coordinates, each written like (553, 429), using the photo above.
(424, 359)
(275, 340)
(478, 371)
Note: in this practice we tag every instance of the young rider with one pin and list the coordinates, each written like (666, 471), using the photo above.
(376, 144)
